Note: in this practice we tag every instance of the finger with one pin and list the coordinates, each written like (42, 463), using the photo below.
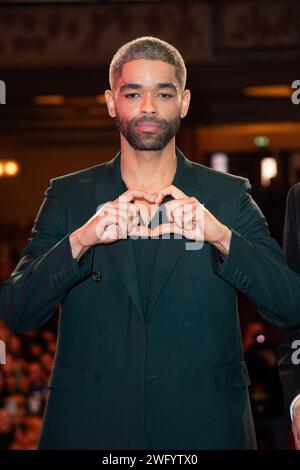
(200, 219)
(103, 224)
(189, 216)
(133, 223)
(165, 230)
(107, 206)
(122, 222)
(197, 233)
(168, 228)
(113, 217)
(184, 214)
(130, 217)
(130, 207)
(171, 206)
(189, 220)
(193, 217)
(126, 214)
(178, 216)
(171, 190)
(110, 234)
(130, 195)
(140, 231)
(125, 217)
(133, 209)
(119, 216)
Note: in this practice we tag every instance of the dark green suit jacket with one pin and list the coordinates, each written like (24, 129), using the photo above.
(176, 378)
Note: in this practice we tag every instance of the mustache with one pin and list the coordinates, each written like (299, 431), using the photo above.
(148, 120)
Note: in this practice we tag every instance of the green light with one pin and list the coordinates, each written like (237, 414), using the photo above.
(261, 141)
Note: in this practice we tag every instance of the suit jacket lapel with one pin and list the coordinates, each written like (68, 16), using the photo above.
(108, 185)
(170, 250)
(108, 188)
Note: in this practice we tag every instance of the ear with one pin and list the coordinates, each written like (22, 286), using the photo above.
(110, 103)
(185, 103)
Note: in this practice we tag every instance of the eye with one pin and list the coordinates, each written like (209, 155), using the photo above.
(165, 95)
(132, 95)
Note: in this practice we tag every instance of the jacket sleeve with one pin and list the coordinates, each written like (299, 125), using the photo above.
(46, 270)
(256, 267)
(289, 349)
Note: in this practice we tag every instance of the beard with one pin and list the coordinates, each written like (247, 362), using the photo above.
(150, 141)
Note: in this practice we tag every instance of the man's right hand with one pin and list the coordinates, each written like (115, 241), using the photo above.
(296, 424)
(112, 222)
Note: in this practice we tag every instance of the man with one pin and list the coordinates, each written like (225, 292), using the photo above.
(149, 352)
(289, 350)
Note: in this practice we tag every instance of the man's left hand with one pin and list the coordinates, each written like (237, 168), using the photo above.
(188, 217)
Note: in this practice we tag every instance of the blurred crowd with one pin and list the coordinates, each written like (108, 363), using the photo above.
(23, 380)
(28, 360)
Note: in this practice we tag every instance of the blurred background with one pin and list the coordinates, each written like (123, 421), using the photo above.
(243, 60)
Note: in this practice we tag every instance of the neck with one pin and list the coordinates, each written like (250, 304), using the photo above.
(148, 171)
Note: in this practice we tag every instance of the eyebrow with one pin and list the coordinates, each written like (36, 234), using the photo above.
(137, 86)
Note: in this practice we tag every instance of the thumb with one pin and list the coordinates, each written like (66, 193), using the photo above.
(130, 195)
(171, 190)
(139, 231)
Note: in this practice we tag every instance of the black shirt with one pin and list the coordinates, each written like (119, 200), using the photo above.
(145, 250)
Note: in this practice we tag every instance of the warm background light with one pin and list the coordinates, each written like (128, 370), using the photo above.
(49, 100)
(268, 170)
(219, 161)
(9, 168)
(59, 100)
(269, 91)
(100, 99)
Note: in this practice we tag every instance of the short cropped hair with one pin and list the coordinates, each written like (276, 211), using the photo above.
(149, 48)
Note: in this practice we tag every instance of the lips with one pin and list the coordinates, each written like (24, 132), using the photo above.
(148, 127)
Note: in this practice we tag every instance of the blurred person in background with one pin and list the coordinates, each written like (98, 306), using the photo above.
(289, 350)
(266, 395)
(7, 432)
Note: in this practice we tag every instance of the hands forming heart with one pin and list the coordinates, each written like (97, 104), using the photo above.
(189, 218)
(120, 219)
(184, 215)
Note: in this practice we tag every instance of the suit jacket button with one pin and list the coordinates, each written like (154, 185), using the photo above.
(96, 276)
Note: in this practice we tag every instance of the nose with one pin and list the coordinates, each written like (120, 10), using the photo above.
(148, 105)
